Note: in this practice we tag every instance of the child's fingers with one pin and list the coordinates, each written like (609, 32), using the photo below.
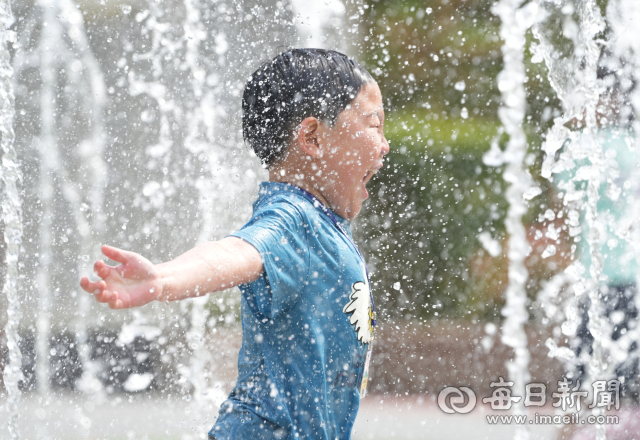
(115, 302)
(104, 297)
(91, 287)
(115, 254)
(101, 269)
(96, 288)
(101, 293)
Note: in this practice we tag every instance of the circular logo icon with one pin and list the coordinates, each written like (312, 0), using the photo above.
(451, 400)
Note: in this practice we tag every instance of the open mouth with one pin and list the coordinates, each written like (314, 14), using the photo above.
(369, 175)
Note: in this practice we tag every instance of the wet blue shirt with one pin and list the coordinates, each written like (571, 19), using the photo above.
(305, 326)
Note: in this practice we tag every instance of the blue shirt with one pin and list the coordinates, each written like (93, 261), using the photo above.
(305, 326)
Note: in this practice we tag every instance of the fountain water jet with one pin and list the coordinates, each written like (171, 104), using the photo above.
(579, 153)
(83, 191)
(591, 23)
(181, 70)
(516, 19)
(11, 216)
(625, 59)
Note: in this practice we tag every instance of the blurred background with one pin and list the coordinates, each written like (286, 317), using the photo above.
(128, 129)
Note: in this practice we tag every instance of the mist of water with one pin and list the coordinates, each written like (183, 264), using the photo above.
(11, 216)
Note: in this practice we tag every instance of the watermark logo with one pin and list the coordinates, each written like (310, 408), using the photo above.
(451, 400)
(501, 398)
(605, 397)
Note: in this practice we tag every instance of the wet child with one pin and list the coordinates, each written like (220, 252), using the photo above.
(315, 119)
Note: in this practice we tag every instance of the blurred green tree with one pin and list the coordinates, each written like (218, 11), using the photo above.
(436, 62)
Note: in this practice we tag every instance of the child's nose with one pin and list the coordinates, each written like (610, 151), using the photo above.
(385, 146)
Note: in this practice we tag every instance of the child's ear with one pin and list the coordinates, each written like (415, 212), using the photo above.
(307, 137)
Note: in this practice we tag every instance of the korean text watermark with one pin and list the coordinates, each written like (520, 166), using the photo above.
(603, 394)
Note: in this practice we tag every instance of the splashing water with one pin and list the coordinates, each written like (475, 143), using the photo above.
(591, 24)
(179, 82)
(622, 14)
(515, 21)
(83, 192)
(575, 81)
(11, 216)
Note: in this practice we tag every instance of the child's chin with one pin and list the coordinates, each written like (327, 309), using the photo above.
(365, 193)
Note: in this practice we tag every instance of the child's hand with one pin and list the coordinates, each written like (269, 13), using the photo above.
(133, 283)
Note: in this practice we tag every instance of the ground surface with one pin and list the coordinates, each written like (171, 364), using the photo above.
(68, 417)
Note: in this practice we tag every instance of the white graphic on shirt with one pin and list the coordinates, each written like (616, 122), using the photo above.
(360, 309)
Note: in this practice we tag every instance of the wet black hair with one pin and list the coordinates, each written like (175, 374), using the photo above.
(293, 86)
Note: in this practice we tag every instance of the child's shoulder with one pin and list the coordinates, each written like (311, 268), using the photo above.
(275, 197)
(279, 217)
(289, 208)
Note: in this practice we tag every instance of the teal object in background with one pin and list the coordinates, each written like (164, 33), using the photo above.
(616, 212)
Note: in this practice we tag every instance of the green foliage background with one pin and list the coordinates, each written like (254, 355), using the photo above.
(437, 63)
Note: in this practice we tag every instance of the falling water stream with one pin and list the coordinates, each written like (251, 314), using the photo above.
(11, 216)
(591, 24)
(516, 19)
(181, 87)
(622, 15)
(66, 33)
(575, 82)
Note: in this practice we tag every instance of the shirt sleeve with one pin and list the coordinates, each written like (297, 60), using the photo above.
(279, 232)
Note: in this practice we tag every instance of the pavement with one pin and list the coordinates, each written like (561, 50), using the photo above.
(386, 418)
(69, 416)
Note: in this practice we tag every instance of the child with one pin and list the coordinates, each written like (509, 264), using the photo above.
(315, 119)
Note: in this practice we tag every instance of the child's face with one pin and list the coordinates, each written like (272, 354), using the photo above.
(353, 152)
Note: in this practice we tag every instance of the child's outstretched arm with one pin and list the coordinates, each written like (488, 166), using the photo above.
(209, 267)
